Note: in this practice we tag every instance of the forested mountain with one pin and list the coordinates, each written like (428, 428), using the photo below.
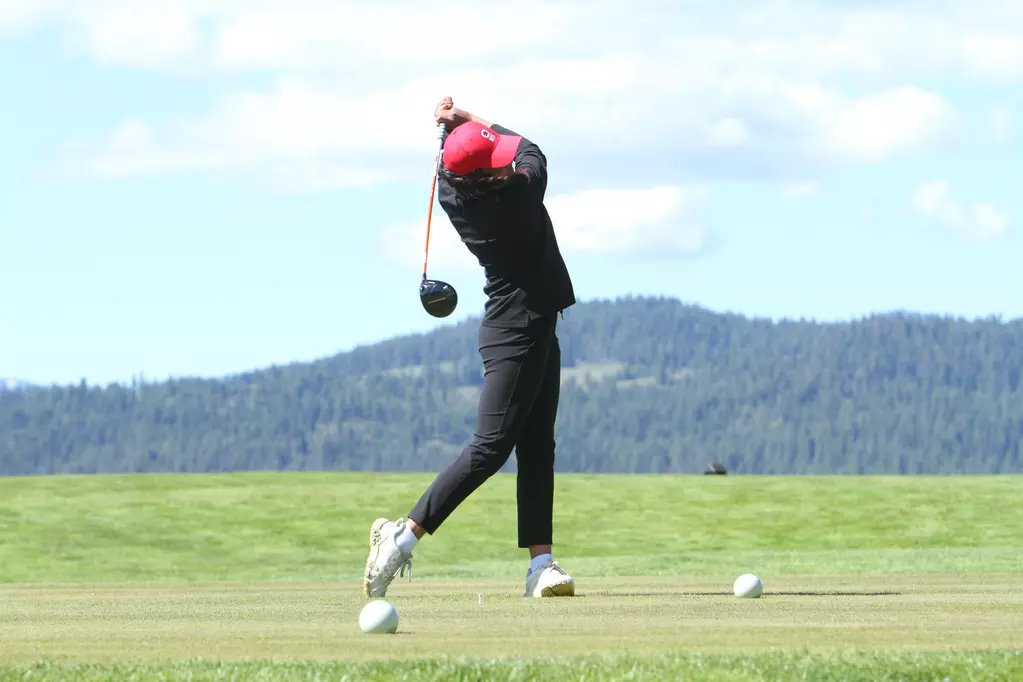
(650, 385)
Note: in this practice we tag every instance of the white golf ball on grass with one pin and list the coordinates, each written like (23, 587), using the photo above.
(378, 617)
(748, 586)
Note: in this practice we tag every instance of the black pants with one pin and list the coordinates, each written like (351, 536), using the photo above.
(517, 409)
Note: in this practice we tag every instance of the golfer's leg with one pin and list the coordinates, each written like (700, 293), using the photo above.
(535, 454)
(514, 363)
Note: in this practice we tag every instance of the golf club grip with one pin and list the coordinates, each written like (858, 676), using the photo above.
(441, 132)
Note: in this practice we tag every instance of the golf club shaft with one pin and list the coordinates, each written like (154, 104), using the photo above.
(441, 131)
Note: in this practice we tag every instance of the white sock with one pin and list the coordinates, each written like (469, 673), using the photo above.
(539, 562)
(406, 540)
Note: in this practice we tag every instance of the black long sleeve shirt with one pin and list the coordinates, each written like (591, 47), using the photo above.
(512, 236)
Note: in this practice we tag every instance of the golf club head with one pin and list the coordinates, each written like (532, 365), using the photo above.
(438, 298)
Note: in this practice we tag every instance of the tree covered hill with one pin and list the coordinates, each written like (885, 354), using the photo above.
(650, 385)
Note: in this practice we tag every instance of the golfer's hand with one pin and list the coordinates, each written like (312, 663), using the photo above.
(446, 113)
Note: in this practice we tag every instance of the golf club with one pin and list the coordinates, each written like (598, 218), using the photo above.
(438, 298)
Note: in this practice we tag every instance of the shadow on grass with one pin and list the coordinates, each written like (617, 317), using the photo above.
(820, 593)
(832, 593)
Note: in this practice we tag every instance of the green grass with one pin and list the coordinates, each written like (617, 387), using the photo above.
(311, 527)
(257, 576)
(777, 667)
(649, 616)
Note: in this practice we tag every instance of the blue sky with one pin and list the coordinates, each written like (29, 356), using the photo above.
(224, 185)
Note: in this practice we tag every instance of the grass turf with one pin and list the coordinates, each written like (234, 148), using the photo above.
(774, 667)
(314, 527)
(135, 577)
(652, 616)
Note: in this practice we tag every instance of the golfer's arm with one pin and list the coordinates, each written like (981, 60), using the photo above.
(531, 161)
(473, 118)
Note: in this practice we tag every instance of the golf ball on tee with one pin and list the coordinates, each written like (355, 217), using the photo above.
(748, 586)
(378, 617)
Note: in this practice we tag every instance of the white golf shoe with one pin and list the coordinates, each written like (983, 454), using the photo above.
(385, 558)
(549, 581)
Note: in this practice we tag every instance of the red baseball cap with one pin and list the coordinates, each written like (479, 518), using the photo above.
(472, 146)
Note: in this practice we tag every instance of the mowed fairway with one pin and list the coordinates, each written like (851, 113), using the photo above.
(866, 578)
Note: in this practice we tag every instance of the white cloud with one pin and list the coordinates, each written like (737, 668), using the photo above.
(974, 223)
(998, 56)
(585, 128)
(153, 34)
(727, 132)
(266, 35)
(405, 244)
(305, 137)
(795, 190)
(805, 41)
(1001, 121)
(874, 128)
(766, 91)
(19, 15)
(327, 34)
(661, 220)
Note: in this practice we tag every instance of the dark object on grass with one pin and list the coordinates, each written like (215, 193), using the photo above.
(715, 469)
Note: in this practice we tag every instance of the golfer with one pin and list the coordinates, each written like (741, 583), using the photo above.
(491, 185)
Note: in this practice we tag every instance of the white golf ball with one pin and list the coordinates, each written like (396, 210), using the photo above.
(378, 617)
(748, 586)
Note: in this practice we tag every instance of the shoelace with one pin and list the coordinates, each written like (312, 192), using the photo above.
(402, 564)
(406, 564)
